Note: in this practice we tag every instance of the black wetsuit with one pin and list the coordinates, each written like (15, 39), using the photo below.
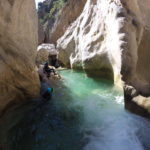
(48, 70)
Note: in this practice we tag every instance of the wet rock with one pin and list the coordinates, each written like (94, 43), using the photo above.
(135, 102)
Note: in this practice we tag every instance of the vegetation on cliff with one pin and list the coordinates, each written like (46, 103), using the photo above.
(49, 10)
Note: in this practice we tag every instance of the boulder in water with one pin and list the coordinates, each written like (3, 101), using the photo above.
(46, 52)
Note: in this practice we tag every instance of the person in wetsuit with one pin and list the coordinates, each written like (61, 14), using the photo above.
(48, 70)
(53, 61)
(47, 95)
(46, 91)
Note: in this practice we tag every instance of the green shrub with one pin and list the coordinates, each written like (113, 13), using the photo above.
(53, 11)
(57, 6)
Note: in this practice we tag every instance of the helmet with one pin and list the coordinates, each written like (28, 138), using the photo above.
(50, 90)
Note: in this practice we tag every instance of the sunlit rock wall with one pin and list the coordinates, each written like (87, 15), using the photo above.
(93, 42)
(112, 37)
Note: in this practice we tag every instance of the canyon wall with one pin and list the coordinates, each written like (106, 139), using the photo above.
(135, 56)
(18, 42)
(69, 13)
(56, 18)
(93, 42)
(112, 37)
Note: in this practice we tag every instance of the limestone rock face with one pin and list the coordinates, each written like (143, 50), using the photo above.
(41, 34)
(69, 13)
(18, 41)
(55, 21)
(93, 41)
(135, 102)
(108, 38)
(42, 57)
(135, 55)
(44, 51)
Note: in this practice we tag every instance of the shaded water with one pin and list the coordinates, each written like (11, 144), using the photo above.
(85, 114)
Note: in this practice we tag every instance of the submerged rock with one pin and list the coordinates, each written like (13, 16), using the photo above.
(18, 41)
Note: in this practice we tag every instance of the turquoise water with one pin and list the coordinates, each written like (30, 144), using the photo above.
(85, 114)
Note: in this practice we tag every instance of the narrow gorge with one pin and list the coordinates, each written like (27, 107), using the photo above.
(107, 39)
(74, 75)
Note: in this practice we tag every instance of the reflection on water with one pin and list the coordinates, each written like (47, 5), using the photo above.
(85, 114)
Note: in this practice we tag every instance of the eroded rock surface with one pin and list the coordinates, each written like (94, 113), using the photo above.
(135, 102)
(135, 56)
(45, 52)
(18, 41)
(110, 37)
(93, 41)
(69, 13)
(41, 34)
(57, 15)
